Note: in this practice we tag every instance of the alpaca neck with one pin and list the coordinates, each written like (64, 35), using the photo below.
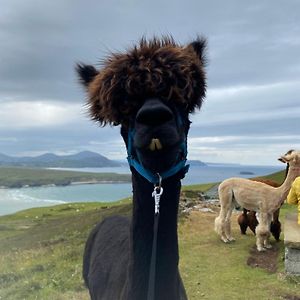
(167, 275)
(292, 173)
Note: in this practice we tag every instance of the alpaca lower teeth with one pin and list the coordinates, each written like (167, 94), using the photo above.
(155, 145)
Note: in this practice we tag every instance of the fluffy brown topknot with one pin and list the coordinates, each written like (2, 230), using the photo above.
(155, 68)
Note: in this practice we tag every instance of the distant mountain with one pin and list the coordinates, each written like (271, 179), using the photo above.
(85, 159)
(197, 163)
(223, 164)
(4, 157)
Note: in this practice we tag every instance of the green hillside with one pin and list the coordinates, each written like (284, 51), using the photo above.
(41, 250)
(13, 177)
(278, 176)
(41, 255)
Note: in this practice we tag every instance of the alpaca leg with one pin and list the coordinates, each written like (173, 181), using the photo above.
(221, 226)
(262, 232)
(243, 221)
(267, 243)
(228, 226)
(259, 239)
(252, 220)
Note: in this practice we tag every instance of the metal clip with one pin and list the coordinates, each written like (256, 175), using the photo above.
(156, 194)
(159, 181)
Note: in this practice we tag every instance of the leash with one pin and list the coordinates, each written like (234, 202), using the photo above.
(157, 192)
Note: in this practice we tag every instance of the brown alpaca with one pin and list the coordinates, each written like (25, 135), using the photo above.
(155, 68)
(248, 218)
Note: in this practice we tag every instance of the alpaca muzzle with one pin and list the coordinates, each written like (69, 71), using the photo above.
(155, 144)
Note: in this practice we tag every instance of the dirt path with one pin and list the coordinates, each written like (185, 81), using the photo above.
(267, 260)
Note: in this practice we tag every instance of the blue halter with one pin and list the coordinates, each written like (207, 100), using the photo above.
(150, 176)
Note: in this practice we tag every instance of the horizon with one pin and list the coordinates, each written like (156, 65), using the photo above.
(124, 160)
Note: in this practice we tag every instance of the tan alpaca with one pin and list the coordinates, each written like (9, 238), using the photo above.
(256, 196)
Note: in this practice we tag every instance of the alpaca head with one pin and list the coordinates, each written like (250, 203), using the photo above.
(292, 157)
(150, 89)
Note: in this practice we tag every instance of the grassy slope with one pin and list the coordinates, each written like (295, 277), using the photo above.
(198, 187)
(41, 252)
(17, 177)
(214, 270)
(41, 249)
(278, 176)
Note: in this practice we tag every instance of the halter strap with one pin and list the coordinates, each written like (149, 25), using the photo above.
(147, 174)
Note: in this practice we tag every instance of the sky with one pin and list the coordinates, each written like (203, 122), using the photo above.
(252, 108)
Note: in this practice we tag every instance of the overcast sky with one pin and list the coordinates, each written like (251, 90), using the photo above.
(252, 109)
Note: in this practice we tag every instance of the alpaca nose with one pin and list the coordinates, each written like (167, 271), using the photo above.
(154, 112)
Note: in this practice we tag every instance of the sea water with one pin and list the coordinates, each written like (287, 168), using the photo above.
(12, 200)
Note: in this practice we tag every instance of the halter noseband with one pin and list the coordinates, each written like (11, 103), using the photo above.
(135, 162)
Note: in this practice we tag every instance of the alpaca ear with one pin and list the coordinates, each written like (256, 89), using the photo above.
(199, 47)
(86, 73)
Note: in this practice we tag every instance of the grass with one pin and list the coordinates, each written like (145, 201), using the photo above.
(214, 270)
(41, 249)
(41, 252)
(41, 255)
(198, 187)
(278, 176)
(13, 177)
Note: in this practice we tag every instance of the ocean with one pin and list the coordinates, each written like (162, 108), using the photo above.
(13, 200)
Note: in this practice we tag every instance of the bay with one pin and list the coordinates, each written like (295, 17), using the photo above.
(12, 200)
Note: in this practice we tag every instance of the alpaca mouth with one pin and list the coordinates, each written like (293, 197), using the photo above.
(155, 144)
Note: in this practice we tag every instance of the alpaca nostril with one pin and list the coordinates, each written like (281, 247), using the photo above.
(154, 112)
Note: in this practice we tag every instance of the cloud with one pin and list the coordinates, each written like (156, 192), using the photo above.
(253, 73)
(23, 115)
(249, 110)
(8, 139)
(260, 150)
(237, 138)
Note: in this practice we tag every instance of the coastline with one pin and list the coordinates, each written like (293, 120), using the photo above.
(41, 191)
(98, 182)
(86, 182)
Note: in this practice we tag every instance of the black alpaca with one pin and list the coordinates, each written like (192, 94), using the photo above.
(150, 91)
